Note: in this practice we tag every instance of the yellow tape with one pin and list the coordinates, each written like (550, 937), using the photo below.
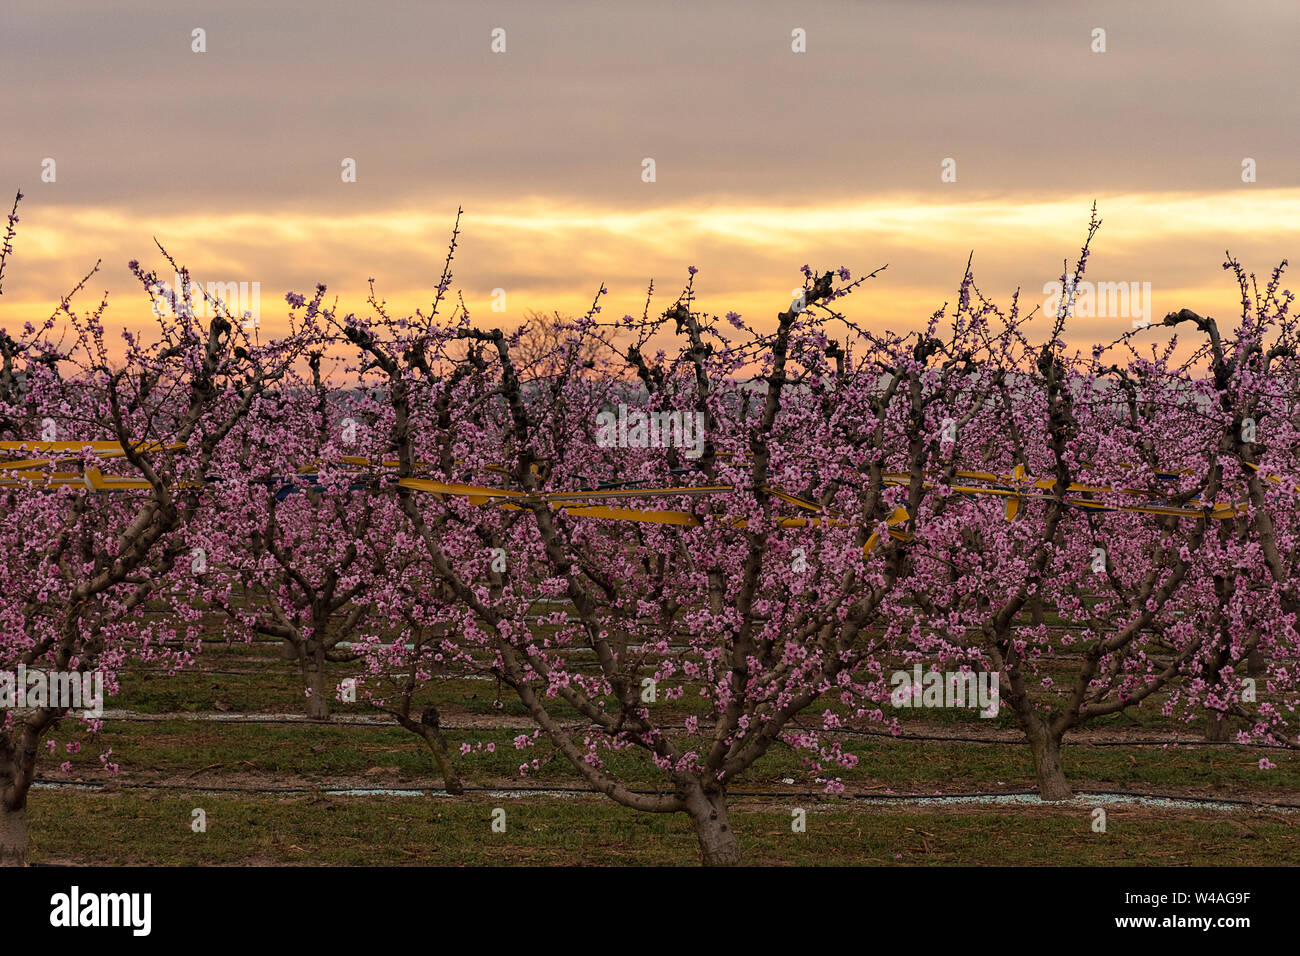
(104, 449)
(23, 473)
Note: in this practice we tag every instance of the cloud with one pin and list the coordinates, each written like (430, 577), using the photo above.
(586, 90)
(765, 158)
(554, 255)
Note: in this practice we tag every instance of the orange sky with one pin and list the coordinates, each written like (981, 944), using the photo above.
(550, 255)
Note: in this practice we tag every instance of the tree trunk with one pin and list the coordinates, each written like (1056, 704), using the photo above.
(1255, 664)
(450, 779)
(1216, 727)
(718, 846)
(428, 730)
(1036, 610)
(13, 836)
(313, 672)
(1046, 749)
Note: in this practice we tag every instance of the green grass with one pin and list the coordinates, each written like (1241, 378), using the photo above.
(129, 828)
(168, 748)
(269, 684)
(153, 825)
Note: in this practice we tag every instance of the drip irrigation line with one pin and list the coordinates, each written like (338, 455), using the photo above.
(1075, 743)
(863, 795)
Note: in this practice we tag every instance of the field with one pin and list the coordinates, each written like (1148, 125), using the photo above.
(225, 737)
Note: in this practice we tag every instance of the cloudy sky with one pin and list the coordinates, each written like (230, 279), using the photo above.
(764, 158)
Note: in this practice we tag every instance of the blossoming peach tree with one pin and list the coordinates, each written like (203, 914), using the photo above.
(301, 530)
(93, 571)
(1137, 511)
(688, 604)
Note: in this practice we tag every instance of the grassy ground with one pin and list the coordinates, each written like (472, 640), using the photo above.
(130, 828)
(180, 750)
(171, 766)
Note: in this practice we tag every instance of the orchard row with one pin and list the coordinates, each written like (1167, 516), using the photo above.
(429, 498)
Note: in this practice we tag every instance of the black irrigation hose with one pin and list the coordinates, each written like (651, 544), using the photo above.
(1077, 743)
(201, 718)
(762, 794)
(186, 673)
